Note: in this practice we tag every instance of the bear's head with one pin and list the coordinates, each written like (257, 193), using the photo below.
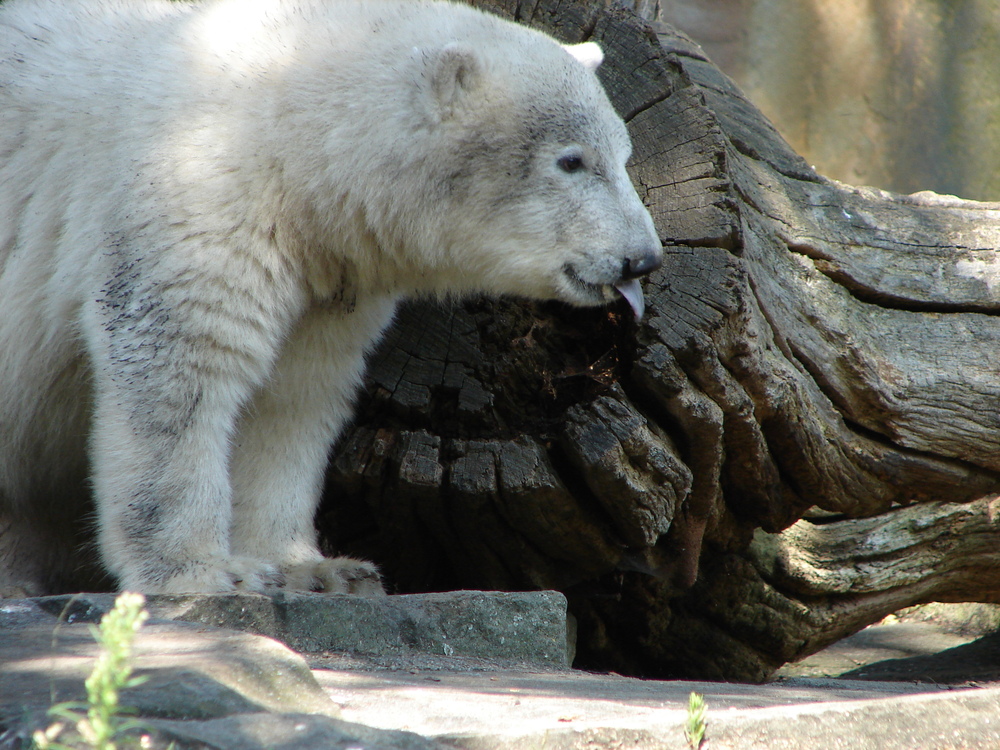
(530, 158)
(471, 154)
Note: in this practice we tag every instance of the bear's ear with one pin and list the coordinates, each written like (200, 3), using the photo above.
(588, 53)
(455, 71)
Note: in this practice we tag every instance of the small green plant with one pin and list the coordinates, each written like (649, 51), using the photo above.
(694, 727)
(105, 720)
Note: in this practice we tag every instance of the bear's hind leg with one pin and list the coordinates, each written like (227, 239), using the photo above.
(39, 558)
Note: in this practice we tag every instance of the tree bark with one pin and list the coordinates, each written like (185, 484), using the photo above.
(802, 435)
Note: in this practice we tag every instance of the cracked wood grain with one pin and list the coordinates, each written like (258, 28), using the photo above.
(799, 438)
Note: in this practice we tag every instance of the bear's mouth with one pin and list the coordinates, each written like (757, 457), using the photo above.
(590, 292)
(631, 290)
(597, 294)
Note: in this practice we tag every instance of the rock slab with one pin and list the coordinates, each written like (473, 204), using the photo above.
(510, 626)
(572, 710)
(397, 686)
(221, 670)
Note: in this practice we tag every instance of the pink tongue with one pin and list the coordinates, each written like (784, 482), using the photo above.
(632, 292)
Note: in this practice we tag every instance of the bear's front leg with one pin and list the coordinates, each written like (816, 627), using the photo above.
(163, 494)
(283, 443)
(174, 358)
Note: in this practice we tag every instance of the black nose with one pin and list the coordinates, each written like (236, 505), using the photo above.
(633, 268)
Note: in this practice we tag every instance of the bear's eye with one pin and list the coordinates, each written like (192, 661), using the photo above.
(570, 163)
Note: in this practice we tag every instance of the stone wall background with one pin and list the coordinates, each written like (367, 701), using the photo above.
(899, 94)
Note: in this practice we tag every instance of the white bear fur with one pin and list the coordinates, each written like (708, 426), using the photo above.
(208, 213)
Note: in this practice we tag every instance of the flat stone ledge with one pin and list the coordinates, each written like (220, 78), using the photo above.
(214, 688)
(522, 627)
(574, 710)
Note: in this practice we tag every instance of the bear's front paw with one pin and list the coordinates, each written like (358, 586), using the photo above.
(256, 576)
(218, 576)
(335, 575)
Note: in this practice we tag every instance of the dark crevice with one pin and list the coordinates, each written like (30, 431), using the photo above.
(776, 336)
(866, 294)
(862, 292)
(871, 434)
(813, 370)
(685, 54)
(746, 150)
(883, 440)
(889, 301)
(654, 412)
(628, 116)
(840, 404)
(569, 474)
(739, 144)
(591, 27)
(732, 491)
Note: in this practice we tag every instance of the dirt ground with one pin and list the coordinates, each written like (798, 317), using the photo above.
(952, 644)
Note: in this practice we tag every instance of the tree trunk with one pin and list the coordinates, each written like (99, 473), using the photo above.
(799, 438)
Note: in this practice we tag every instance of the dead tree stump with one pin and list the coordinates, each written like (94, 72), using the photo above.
(802, 436)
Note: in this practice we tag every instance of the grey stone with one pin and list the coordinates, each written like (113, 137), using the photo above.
(528, 627)
(571, 710)
(522, 627)
(264, 731)
(964, 719)
(193, 671)
(398, 688)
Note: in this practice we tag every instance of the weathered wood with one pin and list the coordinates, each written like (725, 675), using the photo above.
(867, 556)
(810, 351)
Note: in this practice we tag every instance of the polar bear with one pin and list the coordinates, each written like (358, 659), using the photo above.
(208, 213)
